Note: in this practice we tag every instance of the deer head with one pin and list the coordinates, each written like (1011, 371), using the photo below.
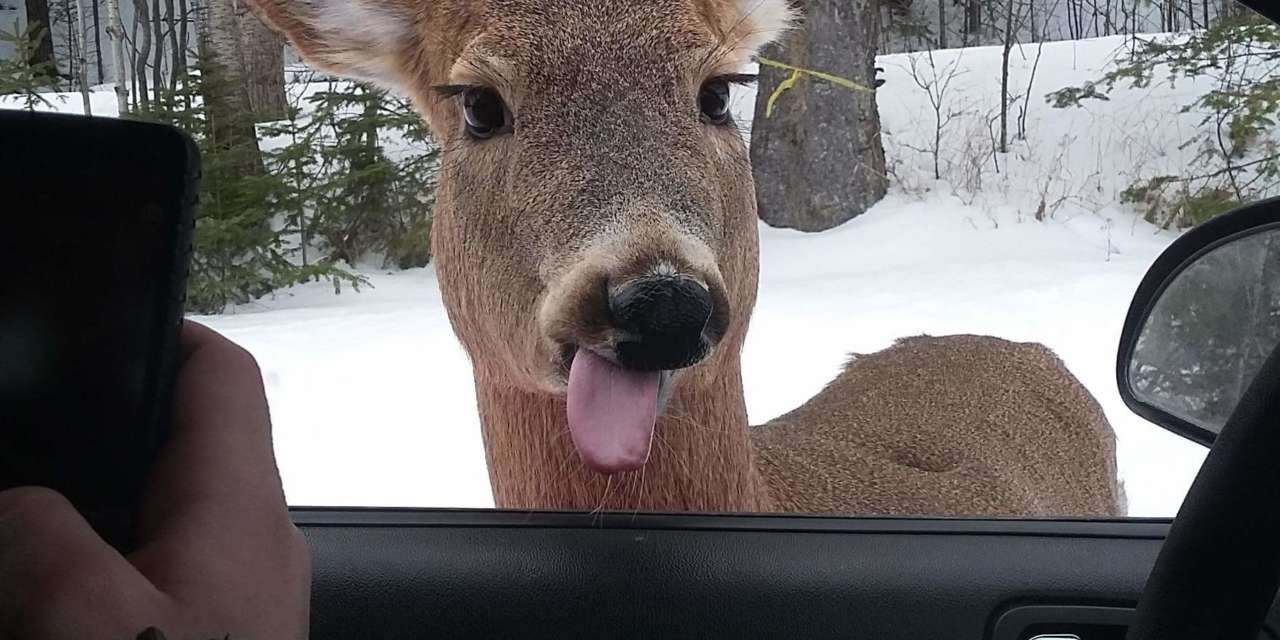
(595, 225)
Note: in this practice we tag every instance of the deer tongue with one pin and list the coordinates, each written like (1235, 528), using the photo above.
(611, 412)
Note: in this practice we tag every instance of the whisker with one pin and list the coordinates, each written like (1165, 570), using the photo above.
(639, 495)
(598, 512)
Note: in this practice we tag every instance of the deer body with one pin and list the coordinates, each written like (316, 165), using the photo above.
(596, 248)
(956, 425)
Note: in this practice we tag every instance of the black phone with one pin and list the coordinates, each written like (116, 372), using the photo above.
(96, 219)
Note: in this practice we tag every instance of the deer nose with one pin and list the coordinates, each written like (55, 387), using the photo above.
(661, 321)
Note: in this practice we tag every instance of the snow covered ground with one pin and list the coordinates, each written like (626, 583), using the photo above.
(373, 402)
(372, 397)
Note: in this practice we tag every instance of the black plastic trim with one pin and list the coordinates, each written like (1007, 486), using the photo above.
(1248, 220)
(410, 573)
(338, 517)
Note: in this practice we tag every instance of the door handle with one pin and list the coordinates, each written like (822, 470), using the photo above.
(1061, 622)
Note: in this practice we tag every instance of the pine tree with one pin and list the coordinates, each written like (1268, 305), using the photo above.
(1240, 162)
(364, 203)
(347, 176)
(240, 253)
(298, 163)
(413, 188)
(40, 54)
(350, 217)
(20, 77)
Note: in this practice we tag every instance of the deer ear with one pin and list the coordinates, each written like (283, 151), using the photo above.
(363, 39)
(761, 22)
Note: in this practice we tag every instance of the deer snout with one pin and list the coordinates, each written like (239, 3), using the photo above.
(662, 322)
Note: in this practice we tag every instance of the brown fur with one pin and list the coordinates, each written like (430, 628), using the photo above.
(611, 173)
(957, 425)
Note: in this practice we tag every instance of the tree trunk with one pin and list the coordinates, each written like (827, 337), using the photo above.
(973, 19)
(133, 62)
(184, 39)
(1004, 77)
(115, 31)
(142, 19)
(64, 13)
(180, 54)
(818, 161)
(942, 24)
(175, 50)
(226, 94)
(1036, 36)
(41, 49)
(97, 41)
(157, 61)
(82, 73)
(263, 59)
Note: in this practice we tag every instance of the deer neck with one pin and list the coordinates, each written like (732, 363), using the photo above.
(701, 460)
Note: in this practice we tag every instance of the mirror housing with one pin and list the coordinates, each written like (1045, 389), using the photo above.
(1203, 321)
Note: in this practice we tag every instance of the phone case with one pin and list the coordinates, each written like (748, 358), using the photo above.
(104, 475)
(115, 520)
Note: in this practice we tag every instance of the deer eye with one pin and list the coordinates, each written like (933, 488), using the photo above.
(484, 112)
(713, 100)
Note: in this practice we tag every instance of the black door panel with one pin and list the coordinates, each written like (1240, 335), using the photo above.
(484, 574)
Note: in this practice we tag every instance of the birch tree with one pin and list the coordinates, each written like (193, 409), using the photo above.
(115, 31)
(262, 58)
(142, 52)
(83, 46)
(226, 94)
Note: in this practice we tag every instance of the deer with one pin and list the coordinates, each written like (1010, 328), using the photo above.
(596, 245)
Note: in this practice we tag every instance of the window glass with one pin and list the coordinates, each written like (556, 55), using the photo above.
(563, 262)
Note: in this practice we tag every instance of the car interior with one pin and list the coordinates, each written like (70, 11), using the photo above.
(1211, 572)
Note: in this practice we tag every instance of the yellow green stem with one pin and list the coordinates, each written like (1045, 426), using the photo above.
(796, 73)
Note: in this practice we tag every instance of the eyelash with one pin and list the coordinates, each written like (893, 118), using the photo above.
(451, 90)
(735, 78)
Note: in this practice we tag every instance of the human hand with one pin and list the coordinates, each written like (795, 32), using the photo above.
(217, 555)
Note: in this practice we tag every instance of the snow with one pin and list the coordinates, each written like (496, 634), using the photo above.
(372, 397)
(939, 267)
(373, 402)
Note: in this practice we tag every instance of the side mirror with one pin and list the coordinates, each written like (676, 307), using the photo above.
(1204, 319)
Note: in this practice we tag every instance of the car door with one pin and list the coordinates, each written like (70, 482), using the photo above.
(413, 574)
(410, 573)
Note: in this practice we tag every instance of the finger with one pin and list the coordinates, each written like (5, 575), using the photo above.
(214, 499)
(58, 578)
